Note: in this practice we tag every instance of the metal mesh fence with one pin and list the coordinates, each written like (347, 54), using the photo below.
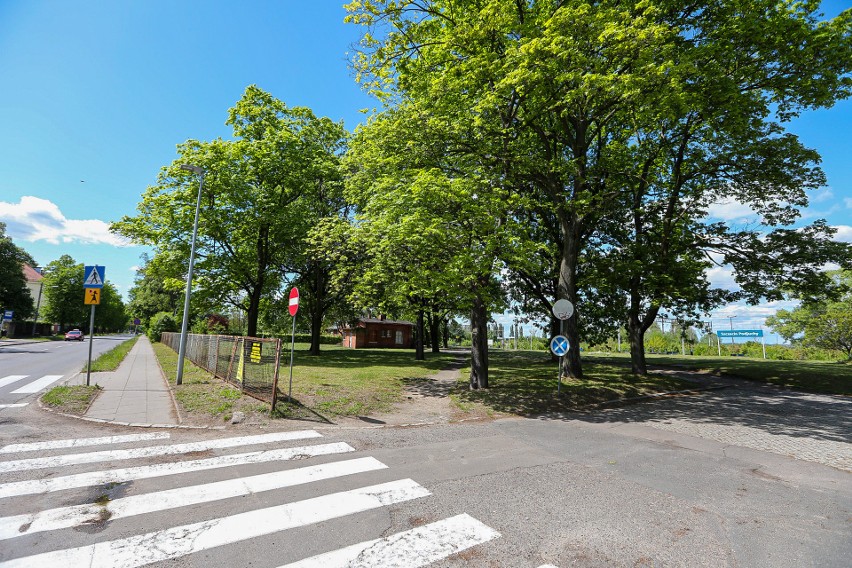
(250, 363)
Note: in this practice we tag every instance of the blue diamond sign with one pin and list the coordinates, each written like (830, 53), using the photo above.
(559, 345)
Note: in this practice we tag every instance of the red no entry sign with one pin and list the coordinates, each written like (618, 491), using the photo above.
(294, 301)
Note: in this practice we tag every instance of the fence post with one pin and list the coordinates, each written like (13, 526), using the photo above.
(275, 377)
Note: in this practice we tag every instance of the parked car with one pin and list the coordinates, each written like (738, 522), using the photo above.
(74, 335)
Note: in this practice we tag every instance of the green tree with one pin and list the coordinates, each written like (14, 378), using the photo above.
(743, 70)
(824, 322)
(14, 294)
(63, 293)
(257, 193)
(110, 314)
(545, 88)
(426, 227)
(154, 291)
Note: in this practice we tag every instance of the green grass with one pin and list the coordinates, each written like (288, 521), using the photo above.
(70, 399)
(525, 383)
(110, 360)
(364, 382)
(199, 391)
(354, 382)
(807, 376)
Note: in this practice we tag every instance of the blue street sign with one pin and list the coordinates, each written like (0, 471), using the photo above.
(94, 277)
(740, 333)
(559, 345)
(7, 315)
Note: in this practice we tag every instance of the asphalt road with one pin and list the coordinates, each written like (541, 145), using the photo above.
(23, 364)
(582, 491)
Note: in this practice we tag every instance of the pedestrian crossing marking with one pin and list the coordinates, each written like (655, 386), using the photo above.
(38, 486)
(37, 385)
(11, 379)
(175, 542)
(16, 405)
(68, 517)
(416, 547)
(413, 548)
(151, 451)
(82, 442)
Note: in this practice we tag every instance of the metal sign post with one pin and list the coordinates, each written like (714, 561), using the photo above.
(562, 309)
(93, 281)
(294, 309)
(91, 340)
(559, 347)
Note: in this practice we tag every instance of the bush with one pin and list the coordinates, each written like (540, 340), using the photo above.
(160, 322)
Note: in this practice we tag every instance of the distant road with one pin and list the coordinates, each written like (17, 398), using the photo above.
(29, 368)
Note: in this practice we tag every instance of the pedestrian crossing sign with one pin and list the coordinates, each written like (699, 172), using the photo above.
(93, 297)
(94, 277)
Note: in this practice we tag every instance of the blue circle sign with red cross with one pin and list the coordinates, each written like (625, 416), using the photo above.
(559, 345)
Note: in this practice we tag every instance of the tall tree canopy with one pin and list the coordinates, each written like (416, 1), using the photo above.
(63, 293)
(616, 125)
(259, 193)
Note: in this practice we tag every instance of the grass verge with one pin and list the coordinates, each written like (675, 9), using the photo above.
(201, 395)
(356, 382)
(808, 376)
(110, 360)
(70, 399)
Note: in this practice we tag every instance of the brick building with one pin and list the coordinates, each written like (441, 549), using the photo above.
(370, 332)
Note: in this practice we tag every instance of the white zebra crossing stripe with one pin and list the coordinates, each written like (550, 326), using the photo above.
(37, 385)
(37, 486)
(11, 379)
(412, 548)
(81, 442)
(151, 451)
(179, 541)
(17, 405)
(67, 517)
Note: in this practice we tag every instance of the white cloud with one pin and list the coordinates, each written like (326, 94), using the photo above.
(821, 195)
(730, 210)
(35, 219)
(848, 202)
(843, 234)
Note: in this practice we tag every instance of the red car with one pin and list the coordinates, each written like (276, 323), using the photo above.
(74, 335)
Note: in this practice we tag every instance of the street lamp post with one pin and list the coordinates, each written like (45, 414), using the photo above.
(182, 351)
(731, 321)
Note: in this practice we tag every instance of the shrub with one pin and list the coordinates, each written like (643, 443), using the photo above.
(160, 322)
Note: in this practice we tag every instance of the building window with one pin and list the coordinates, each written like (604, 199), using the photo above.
(399, 338)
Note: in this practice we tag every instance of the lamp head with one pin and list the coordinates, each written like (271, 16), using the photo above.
(195, 169)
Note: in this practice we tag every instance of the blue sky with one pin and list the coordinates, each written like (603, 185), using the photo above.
(96, 95)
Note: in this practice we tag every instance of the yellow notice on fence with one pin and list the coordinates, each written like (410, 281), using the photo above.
(242, 364)
(255, 352)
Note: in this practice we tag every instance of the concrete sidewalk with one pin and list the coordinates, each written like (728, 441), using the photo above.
(136, 393)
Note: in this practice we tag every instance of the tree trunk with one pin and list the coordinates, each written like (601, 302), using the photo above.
(567, 289)
(317, 312)
(316, 329)
(418, 346)
(637, 345)
(435, 328)
(478, 345)
(445, 332)
(253, 312)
